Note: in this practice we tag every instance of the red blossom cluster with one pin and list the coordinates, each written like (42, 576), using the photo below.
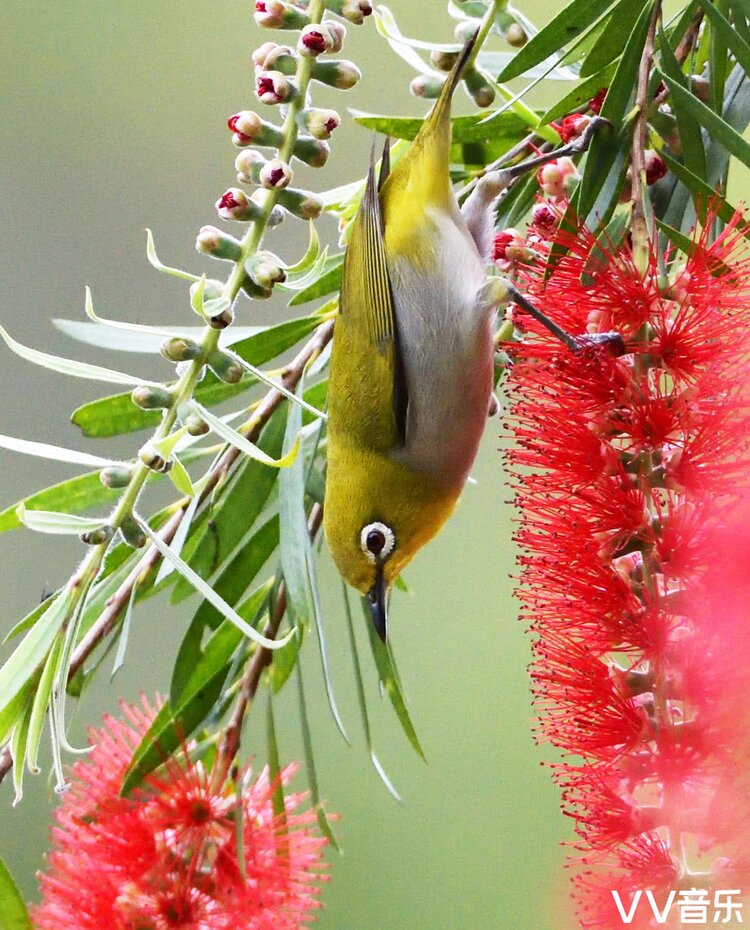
(629, 474)
(167, 857)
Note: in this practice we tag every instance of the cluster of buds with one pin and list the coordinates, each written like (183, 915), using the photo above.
(477, 86)
(280, 79)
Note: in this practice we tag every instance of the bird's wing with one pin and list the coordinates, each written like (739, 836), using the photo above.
(367, 328)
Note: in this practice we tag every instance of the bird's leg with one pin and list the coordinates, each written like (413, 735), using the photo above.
(500, 292)
(477, 209)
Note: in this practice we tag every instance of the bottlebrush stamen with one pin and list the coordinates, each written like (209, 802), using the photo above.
(624, 469)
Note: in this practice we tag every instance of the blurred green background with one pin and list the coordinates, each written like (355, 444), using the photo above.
(114, 120)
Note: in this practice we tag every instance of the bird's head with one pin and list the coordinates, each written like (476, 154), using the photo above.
(378, 514)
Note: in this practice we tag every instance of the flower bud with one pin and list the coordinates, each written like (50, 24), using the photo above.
(480, 90)
(234, 205)
(249, 128)
(352, 10)
(557, 178)
(133, 533)
(341, 74)
(274, 14)
(515, 35)
(318, 39)
(152, 397)
(443, 61)
(656, 167)
(212, 241)
(272, 87)
(196, 426)
(424, 86)
(221, 320)
(595, 104)
(313, 152)
(255, 291)
(700, 87)
(466, 29)
(116, 476)
(153, 460)
(543, 218)
(572, 126)
(509, 248)
(276, 217)
(275, 175)
(265, 269)
(226, 367)
(179, 349)
(273, 57)
(248, 165)
(319, 123)
(303, 204)
(98, 537)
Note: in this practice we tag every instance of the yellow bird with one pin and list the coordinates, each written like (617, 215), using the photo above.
(412, 365)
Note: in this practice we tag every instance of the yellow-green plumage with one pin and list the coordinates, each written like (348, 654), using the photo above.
(411, 371)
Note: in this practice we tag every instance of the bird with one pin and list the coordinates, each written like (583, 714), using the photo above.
(411, 377)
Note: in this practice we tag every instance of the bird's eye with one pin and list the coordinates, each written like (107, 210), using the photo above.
(377, 541)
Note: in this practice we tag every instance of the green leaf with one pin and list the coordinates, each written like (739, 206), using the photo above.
(40, 704)
(693, 153)
(225, 432)
(18, 743)
(68, 366)
(11, 713)
(112, 416)
(388, 679)
(571, 22)
(13, 912)
(328, 282)
(123, 635)
(580, 94)
(32, 650)
(718, 129)
(72, 496)
(274, 764)
(362, 699)
(62, 524)
(154, 261)
(464, 128)
(516, 203)
(210, 595)
(312, 778)
(608, 45)
(606, 145)
(703, 194)
(44, 450)
(198, 699)
(310, 257)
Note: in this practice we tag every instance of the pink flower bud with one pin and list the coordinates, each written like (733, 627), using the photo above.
(543, 218)
(353, 10)
(427, 87)
(276, 175)
(261, 53)
(215, 242)
(557, 178)
(317, 39)
(272, 87)
(234, 205)
(509, 247)
(443, 61)
(248, 165)
(269, 13)
(342, 75)
(320, 123)
(245, 125)
(273, 57)
(656, 167)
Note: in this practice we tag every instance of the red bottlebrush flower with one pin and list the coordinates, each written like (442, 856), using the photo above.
(631, 478)
(167, 857)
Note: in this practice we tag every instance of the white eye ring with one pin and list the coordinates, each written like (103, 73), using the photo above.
(370, 541)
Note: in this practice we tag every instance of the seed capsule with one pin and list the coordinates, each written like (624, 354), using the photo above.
(152, 397)
(98, 536)
(116, 476)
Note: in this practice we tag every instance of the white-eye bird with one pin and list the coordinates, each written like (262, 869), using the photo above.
(412, 360)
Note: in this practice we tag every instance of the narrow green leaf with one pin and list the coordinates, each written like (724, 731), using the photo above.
(298, 282)
(180, 478)
(571, 22)
(68, 366)
(146, 340)
(225, 432)
(605, 145)
(718, 65)
(32, 650)
(274, 764)
(40, 704)
(123, 636)
(310, 256)
(18, 744)
(608, 45)
(11, 713)
(278, 386)
(312, 778)
(718, 129)
(44, 450)
(63, 524)
(464, 128)
(328, 283)
(154, 261)
(693, 153)
(71, 496)
(389, 682)
(210, 595)
(581, 93)
(13, 913)
(704, 196)
(362, 699)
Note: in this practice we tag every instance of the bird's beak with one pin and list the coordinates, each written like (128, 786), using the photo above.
(376, 598)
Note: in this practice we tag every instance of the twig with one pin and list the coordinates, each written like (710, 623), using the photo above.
(230, 743)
